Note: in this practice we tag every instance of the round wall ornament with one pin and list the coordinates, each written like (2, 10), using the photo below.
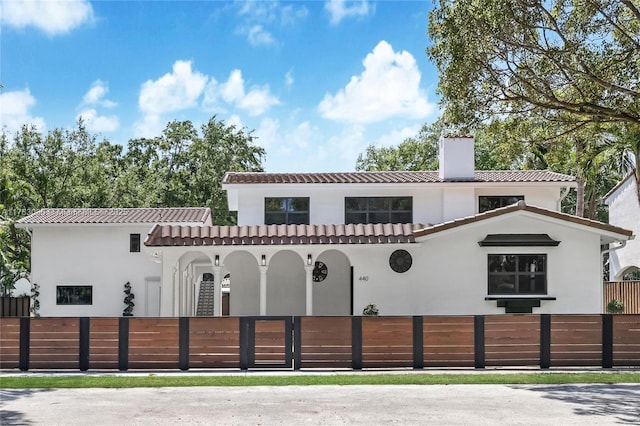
(320, 271)
(400, 261)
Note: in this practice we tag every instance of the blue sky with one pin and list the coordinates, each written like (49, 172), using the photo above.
(317, 81)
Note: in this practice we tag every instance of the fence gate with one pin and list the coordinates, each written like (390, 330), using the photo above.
(268, 342)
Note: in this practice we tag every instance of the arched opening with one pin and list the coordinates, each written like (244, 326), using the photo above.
(332, 292)
(242, 268)
(631, 273)
(286, 284)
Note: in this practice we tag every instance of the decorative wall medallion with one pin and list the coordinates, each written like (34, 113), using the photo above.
(320, 272)
(400, 261)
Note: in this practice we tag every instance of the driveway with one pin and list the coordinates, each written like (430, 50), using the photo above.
(589, 404)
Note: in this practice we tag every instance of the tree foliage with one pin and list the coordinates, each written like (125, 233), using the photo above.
(70, 169)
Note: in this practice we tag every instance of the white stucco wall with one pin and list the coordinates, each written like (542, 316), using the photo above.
(624, 211)
(432, 203)
(90, 255)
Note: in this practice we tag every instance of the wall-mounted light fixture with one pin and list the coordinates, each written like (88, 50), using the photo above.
(309, 259)
(264, 260)
(217, 261)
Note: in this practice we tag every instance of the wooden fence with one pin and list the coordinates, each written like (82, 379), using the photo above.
(320, 342)
(15, 306)
(628, 292)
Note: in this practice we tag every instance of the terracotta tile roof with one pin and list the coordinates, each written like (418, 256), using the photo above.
(522, 206)
(393, 177)
(117, 215)
(176, 235)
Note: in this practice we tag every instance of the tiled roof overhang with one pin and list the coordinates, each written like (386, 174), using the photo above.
(521, 206)
(118, 215)
(176, 235)
(504, 176)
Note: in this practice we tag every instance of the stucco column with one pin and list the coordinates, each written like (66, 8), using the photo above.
(176, 290)
(309, 290)
(183, 285)
(217, 291)
(263, 290)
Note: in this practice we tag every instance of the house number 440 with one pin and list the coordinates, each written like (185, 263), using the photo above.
(363, 278)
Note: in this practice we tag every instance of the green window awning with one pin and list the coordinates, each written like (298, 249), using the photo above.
(518, 240)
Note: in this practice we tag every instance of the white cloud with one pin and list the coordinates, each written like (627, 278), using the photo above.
(99, 123)
(51, 17)
(340, 9)
(288, 78)
(268, 135)
(397, 136)
(257, 16)
(95, 95)
(174, 91)
(256, 101)
(15, 107)
(150, 126)
(388, 87)
(257, 36)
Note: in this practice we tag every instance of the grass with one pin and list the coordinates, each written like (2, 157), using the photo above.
(124, 381)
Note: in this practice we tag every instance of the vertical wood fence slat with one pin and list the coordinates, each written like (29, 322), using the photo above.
(628, 292)
(478, 341)
(356, 343)
(83, 359)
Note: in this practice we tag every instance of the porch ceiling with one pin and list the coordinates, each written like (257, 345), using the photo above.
(176, 235)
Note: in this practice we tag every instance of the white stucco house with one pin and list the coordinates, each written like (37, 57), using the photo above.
(452, 241)
(81, 258)
(624, 211)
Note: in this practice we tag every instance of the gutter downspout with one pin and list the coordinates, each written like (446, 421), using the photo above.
(563, 195)
(623, 243)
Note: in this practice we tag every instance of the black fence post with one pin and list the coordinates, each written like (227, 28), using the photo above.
(25, 335)
(607, 341)
(183, 343)
(478, 340)
(244, 343)
(83, 359)
(418, 342)
(356, 343)
(297, 343)
(123, 344)
(545, 341)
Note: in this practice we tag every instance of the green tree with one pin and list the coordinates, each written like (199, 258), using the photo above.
(577, 62)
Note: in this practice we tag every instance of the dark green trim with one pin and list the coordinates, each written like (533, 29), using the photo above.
(518, 240)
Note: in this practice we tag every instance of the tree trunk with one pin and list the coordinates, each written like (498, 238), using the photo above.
(580, 145)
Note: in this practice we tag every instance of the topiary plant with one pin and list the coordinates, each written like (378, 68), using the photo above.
(128, 300)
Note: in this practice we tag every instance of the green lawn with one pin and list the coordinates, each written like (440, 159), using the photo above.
(124, 381)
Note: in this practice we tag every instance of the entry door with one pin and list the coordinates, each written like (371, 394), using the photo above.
(153, 297)
(269, 342)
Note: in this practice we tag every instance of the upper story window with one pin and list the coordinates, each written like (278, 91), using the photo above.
(286, 211)
(134, 243)
(495, 202)
(517, 274)
(378, 210)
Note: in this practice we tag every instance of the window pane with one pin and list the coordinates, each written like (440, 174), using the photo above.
(74, 295)
(298, 219)
(507, 201)
(299, 204)
(531, 284)
(378, 204)
(403, 217)
(533, 263)
(502, 263)
(275, 218)
(275, 204)
(502, 284)
(379, 217)
(355, 204)
(355, 218)
(403, 203)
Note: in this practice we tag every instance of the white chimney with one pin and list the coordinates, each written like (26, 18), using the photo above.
(456, 157)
